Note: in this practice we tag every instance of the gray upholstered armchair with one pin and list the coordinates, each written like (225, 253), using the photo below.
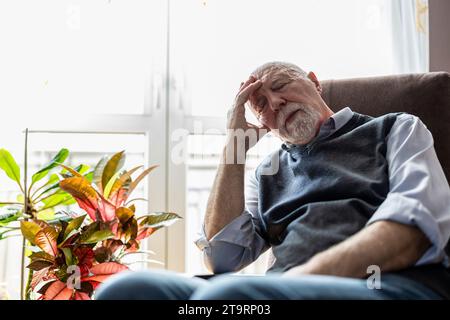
(425, 95)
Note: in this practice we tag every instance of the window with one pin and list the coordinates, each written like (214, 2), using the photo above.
(216, 44)
(88, 76)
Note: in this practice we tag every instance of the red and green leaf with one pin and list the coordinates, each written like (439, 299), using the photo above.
(107, 209)
(46, 240)
(81, 296)
(104, 270)
(58, 290)
(124, 214)
(72, 171)
(41, 276)
(123, 182)
(29, 230)
(145, 232)
(84, 194)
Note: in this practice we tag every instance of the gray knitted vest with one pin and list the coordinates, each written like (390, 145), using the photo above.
(325, 191)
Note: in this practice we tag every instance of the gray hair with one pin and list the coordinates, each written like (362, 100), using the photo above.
(292, 70)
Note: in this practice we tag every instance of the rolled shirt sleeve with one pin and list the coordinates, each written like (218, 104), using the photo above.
(419, 192)
(239, 243)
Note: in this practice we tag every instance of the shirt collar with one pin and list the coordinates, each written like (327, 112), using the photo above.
(341, 117)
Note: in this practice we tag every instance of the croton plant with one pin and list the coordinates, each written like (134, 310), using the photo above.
(72, 253)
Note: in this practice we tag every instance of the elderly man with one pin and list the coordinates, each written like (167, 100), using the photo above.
(350, 195)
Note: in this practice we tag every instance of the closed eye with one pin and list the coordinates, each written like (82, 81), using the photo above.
(278, 86)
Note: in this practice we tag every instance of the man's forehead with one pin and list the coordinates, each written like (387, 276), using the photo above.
(272, 74)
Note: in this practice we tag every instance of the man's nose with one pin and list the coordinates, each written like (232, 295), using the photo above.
(276, 103)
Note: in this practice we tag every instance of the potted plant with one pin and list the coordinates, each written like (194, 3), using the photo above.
(73, 252)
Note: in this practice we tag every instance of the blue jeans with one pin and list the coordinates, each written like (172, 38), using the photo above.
(165, 285)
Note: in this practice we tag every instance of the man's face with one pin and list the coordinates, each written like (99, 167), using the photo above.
(289, 106)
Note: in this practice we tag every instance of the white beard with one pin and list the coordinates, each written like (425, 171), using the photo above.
(303, 128)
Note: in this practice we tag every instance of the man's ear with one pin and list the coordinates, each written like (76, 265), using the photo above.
(311, 76)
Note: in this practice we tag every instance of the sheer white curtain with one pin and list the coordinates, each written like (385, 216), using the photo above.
(410, 35)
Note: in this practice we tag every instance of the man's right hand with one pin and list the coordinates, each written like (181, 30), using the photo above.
(237, 125)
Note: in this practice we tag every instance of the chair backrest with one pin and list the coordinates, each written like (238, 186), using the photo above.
(426, 95)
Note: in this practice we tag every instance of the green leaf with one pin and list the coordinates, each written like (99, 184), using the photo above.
(41, 255)
(4, 236)
(29, 230)
(60, 157)
(97, 236)
(46, 214)
(82, 168)
(68, 256)
(10, 216)
(159, 219)
(98, 172)
(112, 166)
(40, 260)
(89, 229)
(110, 184)
(9, 165)
(59, 218)
(53, 181)
(56, 199)
(68, 202)
(74, 225)
(20, 198)
(39, 265)
(89, 176)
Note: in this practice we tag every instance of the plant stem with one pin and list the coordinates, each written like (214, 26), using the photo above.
(20, 203)
(28, 287)
(38, 189)
(25, 169)
(37, 200)
(22, 270)
(29, 189)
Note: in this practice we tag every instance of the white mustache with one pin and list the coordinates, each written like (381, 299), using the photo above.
(289, 109)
